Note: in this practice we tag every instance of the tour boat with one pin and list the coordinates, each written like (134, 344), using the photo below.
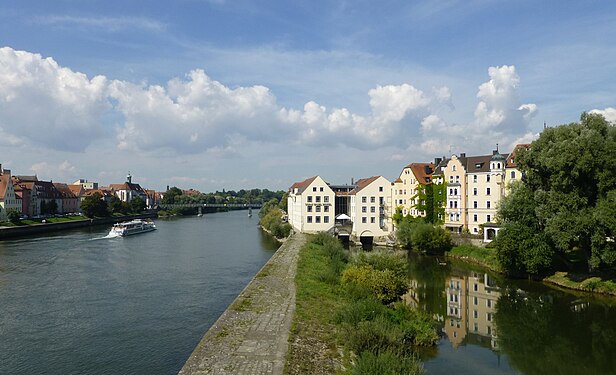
(136, 226)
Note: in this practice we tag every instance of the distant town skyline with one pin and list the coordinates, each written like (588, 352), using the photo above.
(217, 94)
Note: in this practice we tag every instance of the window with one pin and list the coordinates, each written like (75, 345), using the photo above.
(363, 199)
(372, 199)
(317, 208)
(309, 209)
(475, 301)
(380, 188)
(326, 199)
(476, 327)
(475, 220)
(451, 179)
(317, 219)
(475, 314)
(475, 230)
(474, 191)
(488, 178)
(475, 286)
(458, 179)
(488, 218)
(372, 209)
(512, 174)
(321, 189)
(489, 316)
(487, 191)
(453, 168)
(325, 208)
(363, 209)
(474, 204)
(363, 219)
(372, 220)
(488, 204)
(317, 199)
(326, 219)
(489, 303)
(475, 178)
(309, 219)
(314, 188)
(310, 199)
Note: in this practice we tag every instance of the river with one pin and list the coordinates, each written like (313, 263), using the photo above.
(75, 302)
(493, 325)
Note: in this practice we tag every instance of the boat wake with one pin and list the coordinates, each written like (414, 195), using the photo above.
(111, 234)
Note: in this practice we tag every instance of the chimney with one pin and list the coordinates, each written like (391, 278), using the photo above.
(352, 181)
(463, 154)
(437, 161)
(0, 169)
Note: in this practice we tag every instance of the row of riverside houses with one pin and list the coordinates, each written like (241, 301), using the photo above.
(461, 192)
(32, 197)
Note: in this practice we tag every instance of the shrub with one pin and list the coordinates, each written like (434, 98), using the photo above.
(386, 285)
(387, 363)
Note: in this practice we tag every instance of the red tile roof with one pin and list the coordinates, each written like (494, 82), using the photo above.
(302, 185)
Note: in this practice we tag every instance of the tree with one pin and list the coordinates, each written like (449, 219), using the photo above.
(94, 206)
(267, 207)
(565, 196)
(137, 205)
(118, 206)
(171, 195)
(12, 215)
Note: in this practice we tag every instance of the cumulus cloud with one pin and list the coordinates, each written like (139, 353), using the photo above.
(48, 104)
(62, 171)
(609, 113)
(192, 115)
(499, 117)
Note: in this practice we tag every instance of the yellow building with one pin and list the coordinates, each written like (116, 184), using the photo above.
(454, 175)
(405, 189)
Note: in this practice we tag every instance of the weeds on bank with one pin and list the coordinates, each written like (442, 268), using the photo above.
(354, 303)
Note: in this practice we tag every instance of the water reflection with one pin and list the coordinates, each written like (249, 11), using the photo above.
(493, 325)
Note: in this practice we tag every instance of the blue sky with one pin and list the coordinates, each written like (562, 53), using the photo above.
(240, 94)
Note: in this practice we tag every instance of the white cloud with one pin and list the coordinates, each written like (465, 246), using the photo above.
(392, 103)
(609, 113)
(56, 172)
(47, 104)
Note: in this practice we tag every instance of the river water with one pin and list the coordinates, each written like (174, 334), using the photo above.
(492, 325)
(78, 303)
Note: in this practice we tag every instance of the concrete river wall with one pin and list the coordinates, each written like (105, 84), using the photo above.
(251, 336)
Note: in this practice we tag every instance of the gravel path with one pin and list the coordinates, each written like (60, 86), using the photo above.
(251, 336)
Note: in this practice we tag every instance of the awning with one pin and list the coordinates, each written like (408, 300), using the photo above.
(343, 217)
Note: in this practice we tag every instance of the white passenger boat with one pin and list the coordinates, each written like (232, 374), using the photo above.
(136, 226)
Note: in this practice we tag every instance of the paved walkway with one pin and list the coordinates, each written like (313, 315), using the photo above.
(251, 336)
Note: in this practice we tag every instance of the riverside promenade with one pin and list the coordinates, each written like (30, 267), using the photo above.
(251, 336)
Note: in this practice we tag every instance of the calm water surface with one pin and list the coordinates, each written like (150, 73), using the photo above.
(491, 325)
(77, 303)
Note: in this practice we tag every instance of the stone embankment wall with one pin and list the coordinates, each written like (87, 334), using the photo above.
(27, 230)
(251, 336)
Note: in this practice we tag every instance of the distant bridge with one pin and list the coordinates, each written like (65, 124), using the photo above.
(211, 205)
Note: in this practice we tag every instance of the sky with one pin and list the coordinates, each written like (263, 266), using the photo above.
(239, 94)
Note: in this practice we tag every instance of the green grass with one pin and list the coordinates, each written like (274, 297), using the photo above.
(25, 222)
(346, 323)
(482, 256)
(583, 282)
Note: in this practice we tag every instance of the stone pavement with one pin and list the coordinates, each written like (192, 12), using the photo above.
(251, 336)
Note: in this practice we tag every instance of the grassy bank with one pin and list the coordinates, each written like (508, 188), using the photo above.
(582, 282)
(25, 222)
(478, 255)
(348, 319)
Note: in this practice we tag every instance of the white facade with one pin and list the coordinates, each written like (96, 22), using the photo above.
(371, 208)
(311, 206)
(8, 200)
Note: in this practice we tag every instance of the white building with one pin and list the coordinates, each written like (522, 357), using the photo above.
(8, 200)
(311, 206)
(371, 208)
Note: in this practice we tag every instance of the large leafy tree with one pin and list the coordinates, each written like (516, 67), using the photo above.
(94, 206)
(565, 200)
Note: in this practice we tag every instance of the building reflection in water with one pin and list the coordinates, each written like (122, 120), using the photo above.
(469, 308)
(471, 304)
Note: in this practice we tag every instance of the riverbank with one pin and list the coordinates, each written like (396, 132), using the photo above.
(251, 336)
(487, 258)
(31, 229)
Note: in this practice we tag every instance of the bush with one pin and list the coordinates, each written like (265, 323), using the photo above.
(386, 285)
(423, 236)
(387, 363)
